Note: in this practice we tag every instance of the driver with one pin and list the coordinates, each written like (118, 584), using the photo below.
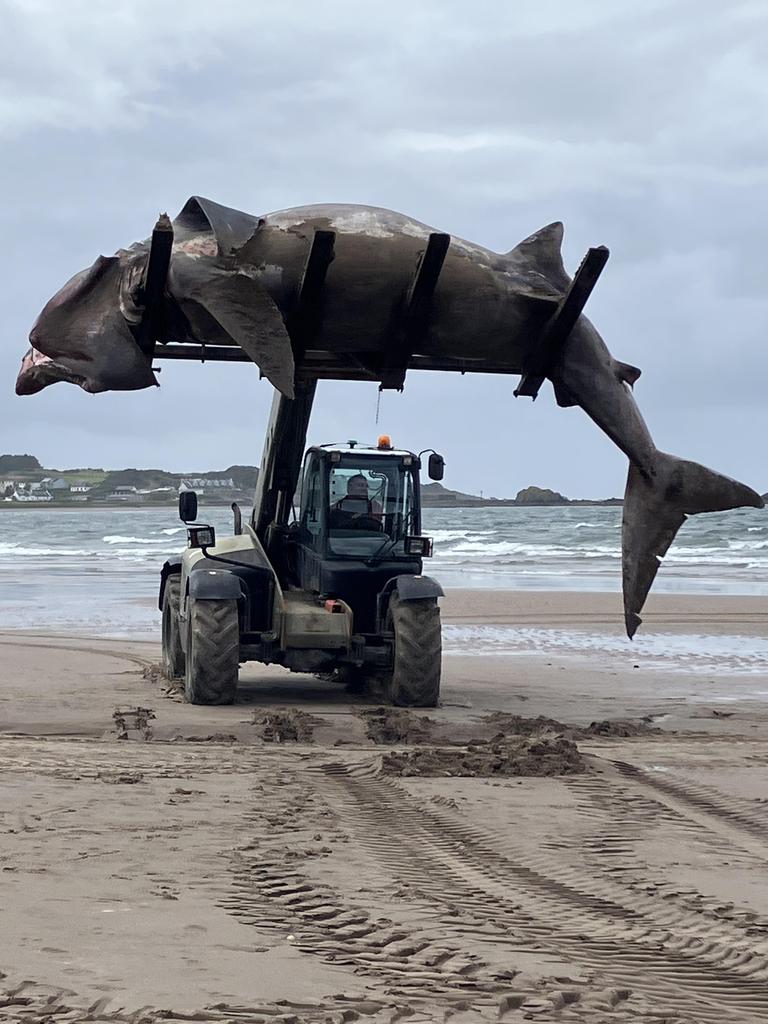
(355, 503)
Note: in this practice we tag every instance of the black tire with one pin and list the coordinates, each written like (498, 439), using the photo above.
(415, 678)
(173, 653)
(213, 652)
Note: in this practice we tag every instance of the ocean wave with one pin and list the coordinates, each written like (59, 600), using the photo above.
(515, 548)
(19, 549)
(529, 549)
(440, 536)
(95, 555)
(117, 539)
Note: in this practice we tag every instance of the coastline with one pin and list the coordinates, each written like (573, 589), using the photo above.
(93, 506)
(715, 613)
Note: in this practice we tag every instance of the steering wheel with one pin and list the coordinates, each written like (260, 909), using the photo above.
(365, 521)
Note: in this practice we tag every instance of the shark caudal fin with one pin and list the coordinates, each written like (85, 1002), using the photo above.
(656, 508)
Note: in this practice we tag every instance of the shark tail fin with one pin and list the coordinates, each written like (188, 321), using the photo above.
(655, 507)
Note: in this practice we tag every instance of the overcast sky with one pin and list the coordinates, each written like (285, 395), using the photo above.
(643, 126)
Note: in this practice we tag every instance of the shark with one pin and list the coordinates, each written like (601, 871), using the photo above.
(232, 281)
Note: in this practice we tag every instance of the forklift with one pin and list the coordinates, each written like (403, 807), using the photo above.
(333, 587)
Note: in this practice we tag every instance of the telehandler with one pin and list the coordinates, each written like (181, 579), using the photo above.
(336, 587)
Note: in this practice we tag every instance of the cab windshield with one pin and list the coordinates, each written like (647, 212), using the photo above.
(371, 506)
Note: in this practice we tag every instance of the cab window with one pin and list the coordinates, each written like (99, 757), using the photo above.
(370, 506)
(312, 499)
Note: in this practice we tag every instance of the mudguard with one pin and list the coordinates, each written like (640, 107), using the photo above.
(172, 567)
(416, 588)
(215, 585)
(409, 588)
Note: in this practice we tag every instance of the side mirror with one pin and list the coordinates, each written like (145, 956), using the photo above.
(187, 506)
(436, 467)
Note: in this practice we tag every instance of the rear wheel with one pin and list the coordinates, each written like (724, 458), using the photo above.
(415, 679)
(213, 652)
(173, 653)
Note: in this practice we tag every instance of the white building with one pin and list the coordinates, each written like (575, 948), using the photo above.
(200, 483)
(124, 494)
(36, 496)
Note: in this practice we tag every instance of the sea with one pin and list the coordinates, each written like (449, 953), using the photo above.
(95, 571)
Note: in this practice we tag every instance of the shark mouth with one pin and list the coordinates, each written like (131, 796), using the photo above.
(38, 371)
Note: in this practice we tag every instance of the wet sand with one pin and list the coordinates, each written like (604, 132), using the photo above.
(184, 860)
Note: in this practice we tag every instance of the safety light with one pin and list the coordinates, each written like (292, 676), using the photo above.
(385, 441)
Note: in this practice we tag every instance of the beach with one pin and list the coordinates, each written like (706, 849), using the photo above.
(304, 855)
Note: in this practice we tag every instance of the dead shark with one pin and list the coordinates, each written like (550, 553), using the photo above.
(233, 281)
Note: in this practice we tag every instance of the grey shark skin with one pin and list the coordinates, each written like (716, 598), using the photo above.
(234, 277)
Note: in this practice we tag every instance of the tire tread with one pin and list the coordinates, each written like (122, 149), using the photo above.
(416, 671)
(173, 652)
(213, 652)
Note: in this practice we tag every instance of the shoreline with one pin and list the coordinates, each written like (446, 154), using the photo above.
(573, 607)
(681, 634)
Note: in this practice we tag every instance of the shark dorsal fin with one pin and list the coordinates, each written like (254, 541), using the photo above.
(541, 251)
(230, 228)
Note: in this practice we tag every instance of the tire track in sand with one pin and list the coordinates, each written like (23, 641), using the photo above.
(690, 963)
(624, 819)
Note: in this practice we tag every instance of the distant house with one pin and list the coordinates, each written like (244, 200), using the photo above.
(124, 494)
(78, 487)
(31, 496)
(58, 488)
(200, 483)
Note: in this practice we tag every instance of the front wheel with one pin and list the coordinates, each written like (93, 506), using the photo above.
(415, 679)
(173, 653)
(213, 652)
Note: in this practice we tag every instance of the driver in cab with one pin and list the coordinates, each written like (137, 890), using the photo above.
(356, 510)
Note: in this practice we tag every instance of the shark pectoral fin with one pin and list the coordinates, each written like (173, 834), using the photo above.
(243, 309)
(563, 396)
(628, 373)
(655, 507)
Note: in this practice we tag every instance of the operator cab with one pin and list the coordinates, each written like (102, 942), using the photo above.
(359, 523)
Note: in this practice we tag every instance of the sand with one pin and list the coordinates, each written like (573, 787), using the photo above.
(565, 839)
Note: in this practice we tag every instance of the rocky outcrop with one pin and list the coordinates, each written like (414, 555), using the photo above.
(540, 496)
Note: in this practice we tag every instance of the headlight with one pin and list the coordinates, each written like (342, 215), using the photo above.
(421, 546)
(201, 536)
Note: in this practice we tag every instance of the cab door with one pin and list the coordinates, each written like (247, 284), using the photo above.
(312, 522)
